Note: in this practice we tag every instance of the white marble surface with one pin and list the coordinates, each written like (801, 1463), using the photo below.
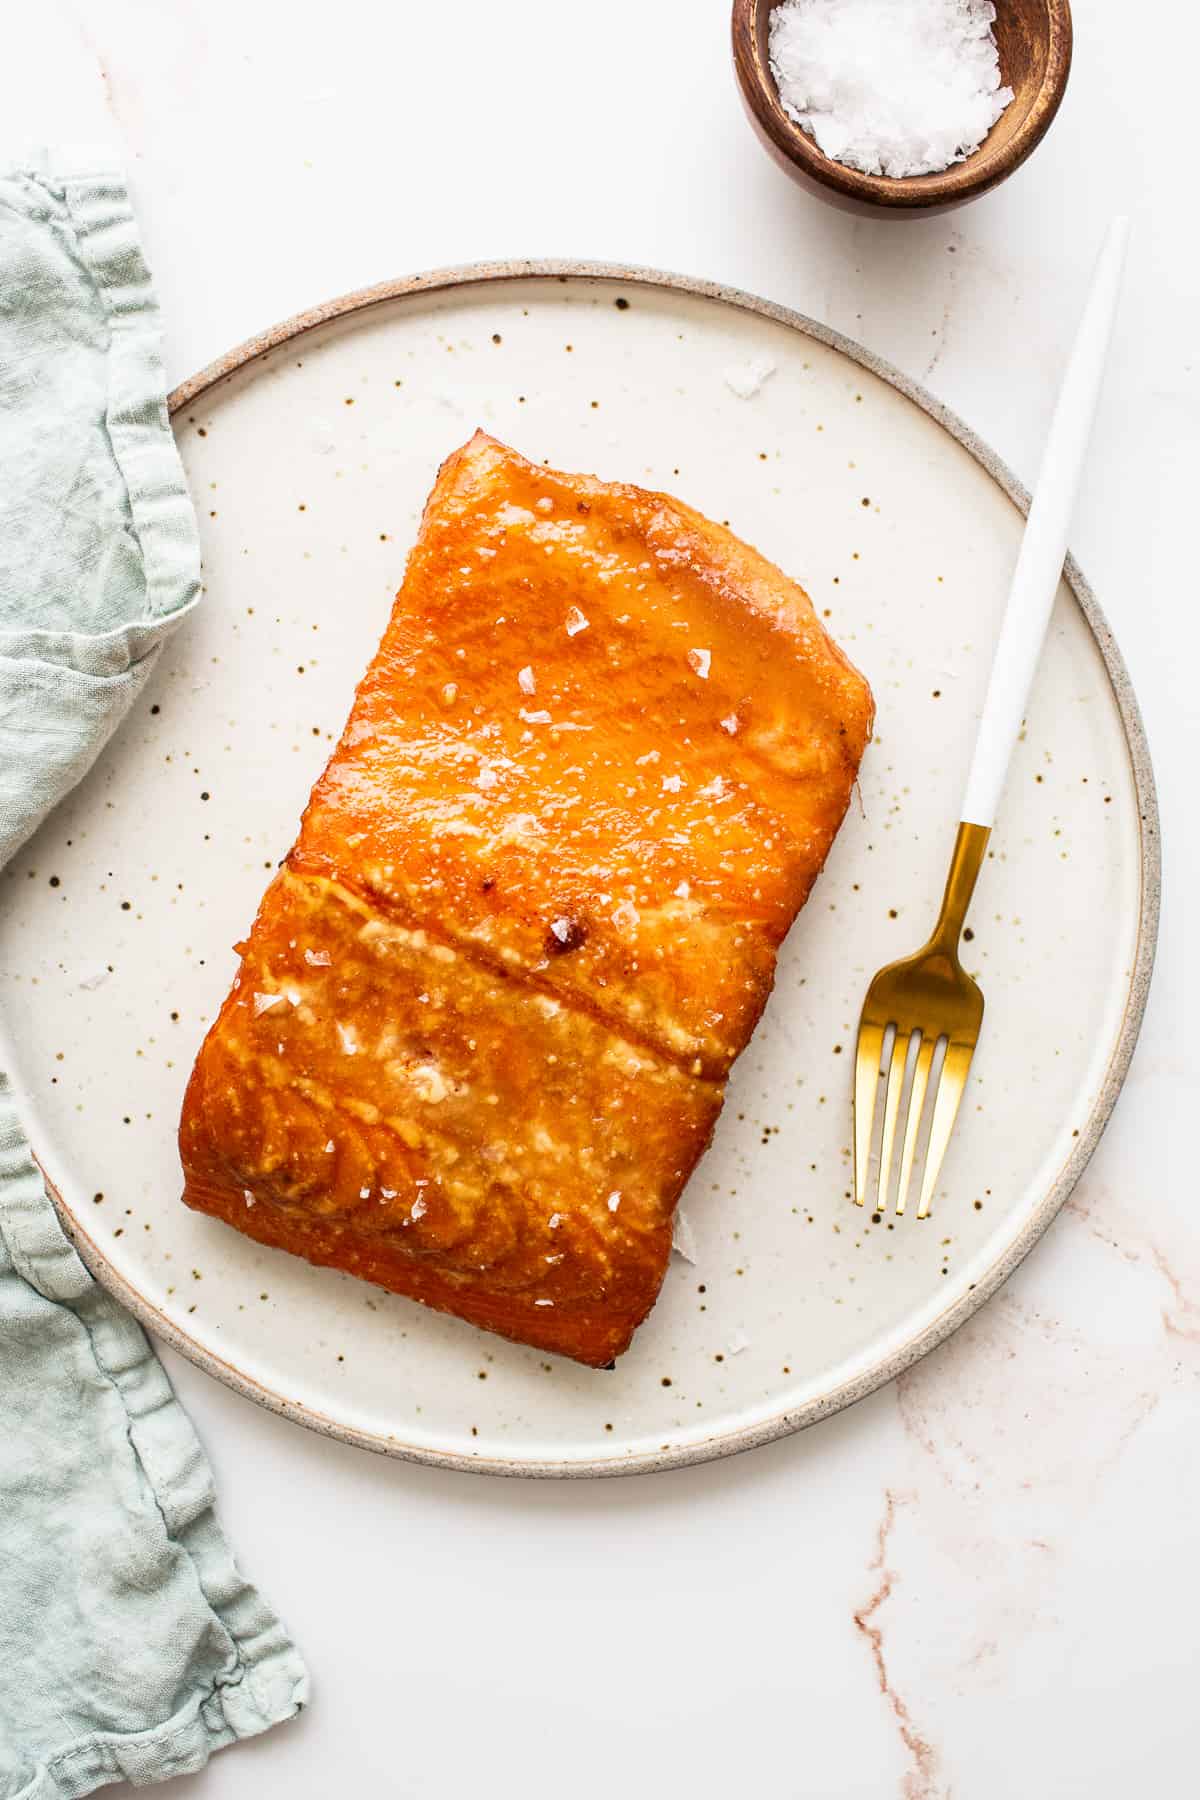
(983, 1581)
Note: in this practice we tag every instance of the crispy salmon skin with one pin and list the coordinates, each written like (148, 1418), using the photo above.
(478, 1037)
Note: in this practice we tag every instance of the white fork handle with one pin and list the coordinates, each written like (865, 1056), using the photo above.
(1044, 545)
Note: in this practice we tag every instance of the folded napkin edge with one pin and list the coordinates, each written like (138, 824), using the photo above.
(61, 163)
(178, 1745)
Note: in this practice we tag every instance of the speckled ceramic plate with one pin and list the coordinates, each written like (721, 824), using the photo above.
(310, 452)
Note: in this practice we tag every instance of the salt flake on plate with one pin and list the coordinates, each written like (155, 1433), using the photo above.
(264, 1002)
(672, 783)
(317, 959)
(730, 724)
(525, 680)
(576, 622)
(701, 661)
(683, 1239)
(738, 1342)
(91, 977)
(746, 378)
(614, 1200)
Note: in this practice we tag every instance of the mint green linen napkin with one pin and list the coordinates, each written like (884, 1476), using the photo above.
(129, 1644)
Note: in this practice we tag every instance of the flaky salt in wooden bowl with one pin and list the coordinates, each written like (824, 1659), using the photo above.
(1033, 39)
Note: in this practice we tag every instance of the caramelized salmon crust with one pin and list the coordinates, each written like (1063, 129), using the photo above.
(477, 1040)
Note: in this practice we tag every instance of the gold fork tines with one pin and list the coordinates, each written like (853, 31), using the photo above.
(928, 1000)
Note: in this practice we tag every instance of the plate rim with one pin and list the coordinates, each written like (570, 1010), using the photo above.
(857, 1387)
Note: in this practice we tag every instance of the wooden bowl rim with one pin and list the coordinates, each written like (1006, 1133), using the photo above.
(961, 181)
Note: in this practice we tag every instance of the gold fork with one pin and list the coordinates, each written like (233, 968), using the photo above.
(922, 1016)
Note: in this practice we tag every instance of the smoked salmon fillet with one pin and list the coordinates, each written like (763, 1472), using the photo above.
(478, 1037)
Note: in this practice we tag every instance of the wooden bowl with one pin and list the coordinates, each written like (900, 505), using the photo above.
(1033, 38)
